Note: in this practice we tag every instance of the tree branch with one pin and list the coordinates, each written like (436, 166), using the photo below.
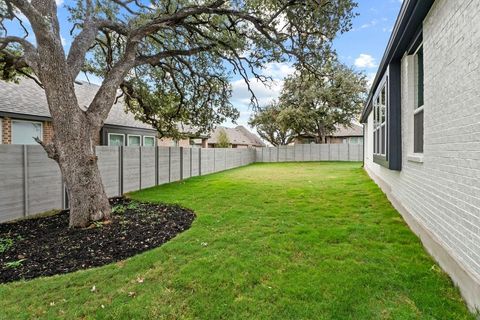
(155, 59)
(49, 148)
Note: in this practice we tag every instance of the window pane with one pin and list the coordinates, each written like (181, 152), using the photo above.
(24, 132)
(149, 141)
(383, 140)
(383, 97)
(134, 141)
(116, 140)
(420, 76)
(418, 132)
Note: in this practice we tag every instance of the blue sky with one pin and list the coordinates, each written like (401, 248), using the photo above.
(362, 47)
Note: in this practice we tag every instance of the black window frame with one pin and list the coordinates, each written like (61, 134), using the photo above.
(391, 158)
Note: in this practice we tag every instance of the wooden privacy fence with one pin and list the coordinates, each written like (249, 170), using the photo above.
(311, 152)
(31, 183)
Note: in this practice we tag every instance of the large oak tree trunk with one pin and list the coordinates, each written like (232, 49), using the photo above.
(75, 137)
(87, 198)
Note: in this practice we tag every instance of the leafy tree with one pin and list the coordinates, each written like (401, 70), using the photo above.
(270, 126)
(223, 141)
(317, 105)
(171, 58)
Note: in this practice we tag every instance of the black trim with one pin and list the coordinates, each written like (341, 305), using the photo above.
(416, 42)
(394, 120)
(20, 116)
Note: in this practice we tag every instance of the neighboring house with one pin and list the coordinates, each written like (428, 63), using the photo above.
(239, 137)
(190, 139)
(422, 129)
(24, 115)
(352, 134)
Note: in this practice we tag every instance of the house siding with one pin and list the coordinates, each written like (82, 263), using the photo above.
(443, 193)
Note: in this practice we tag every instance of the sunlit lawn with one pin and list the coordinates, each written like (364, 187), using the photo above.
(271, 241)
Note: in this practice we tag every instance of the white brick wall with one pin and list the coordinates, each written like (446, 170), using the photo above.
(443, 192)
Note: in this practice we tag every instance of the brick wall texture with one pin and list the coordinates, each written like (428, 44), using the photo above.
(443, 192)
(6, 131)
(47, 131)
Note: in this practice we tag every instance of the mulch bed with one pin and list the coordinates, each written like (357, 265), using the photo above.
(46, 246)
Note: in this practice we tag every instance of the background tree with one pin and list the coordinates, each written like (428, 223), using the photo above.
(315, 106)
(270, 126)
(179, 49)
(223, 141)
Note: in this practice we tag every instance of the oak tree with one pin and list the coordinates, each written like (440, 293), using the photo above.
(271, 126)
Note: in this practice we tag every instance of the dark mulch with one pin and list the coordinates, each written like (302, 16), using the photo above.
(46, 246)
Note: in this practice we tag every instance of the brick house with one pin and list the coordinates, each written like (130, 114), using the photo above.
(422, 126)
(352, 134)
(238, 137)
(24, 114)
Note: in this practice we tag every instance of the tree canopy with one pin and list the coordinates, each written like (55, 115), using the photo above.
(270, 126)
(223, 141)
(312, 105)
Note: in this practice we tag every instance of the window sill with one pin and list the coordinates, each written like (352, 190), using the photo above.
(415, 157)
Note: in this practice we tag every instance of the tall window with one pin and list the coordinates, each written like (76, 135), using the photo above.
(380, 103)
(419, 102)
(25, 132)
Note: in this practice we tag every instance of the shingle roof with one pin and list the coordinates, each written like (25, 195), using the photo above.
(28, 98)
(238, 135)
(354, 131)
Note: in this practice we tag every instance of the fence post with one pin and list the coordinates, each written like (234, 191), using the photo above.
(25, 180)
(120, 170)
(156, 166)
(214, 158)
(199, 161)
(329, 152)
(191, 155)
(169, 164)
(348, 151)
(181, 163)
(140, 167)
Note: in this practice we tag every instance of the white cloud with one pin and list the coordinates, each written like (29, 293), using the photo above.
(278, 70)
(265, 93)
(370, 24)
(365, 61)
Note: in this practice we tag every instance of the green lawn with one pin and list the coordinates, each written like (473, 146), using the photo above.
(271, 241)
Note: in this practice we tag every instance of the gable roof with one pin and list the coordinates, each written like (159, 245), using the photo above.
(238, 135)
(27, 98)
(354, 130)
(407, 26)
